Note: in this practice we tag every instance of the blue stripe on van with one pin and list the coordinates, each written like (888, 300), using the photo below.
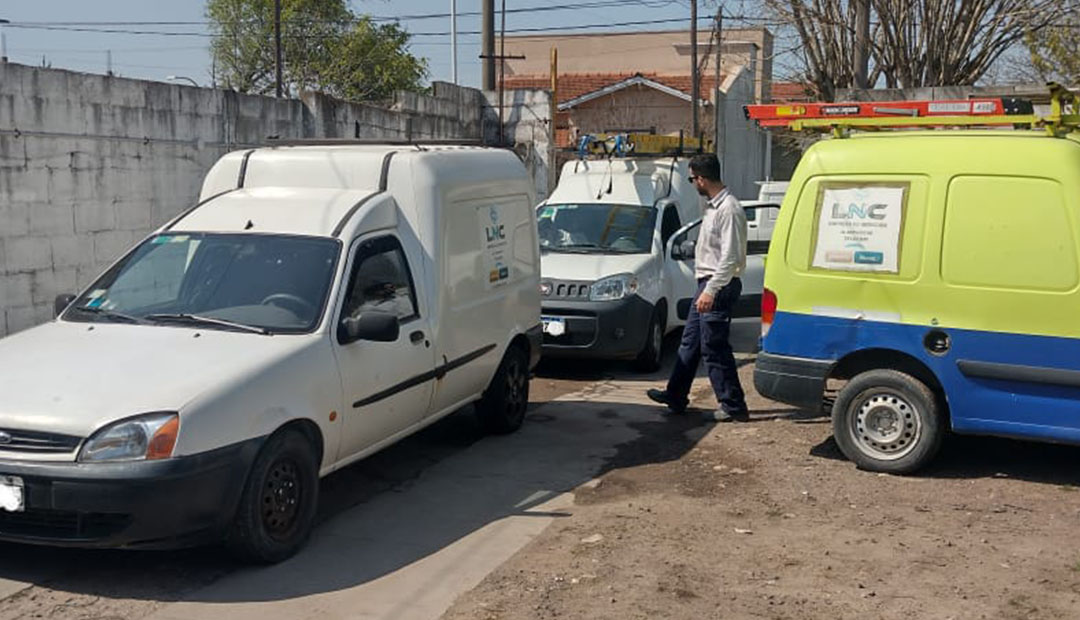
(996, 383)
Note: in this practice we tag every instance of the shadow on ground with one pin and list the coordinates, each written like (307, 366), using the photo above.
(965, 457)
(389, 511)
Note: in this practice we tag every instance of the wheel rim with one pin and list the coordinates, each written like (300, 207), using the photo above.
(886, 425)
(282, 496)
(517, 389)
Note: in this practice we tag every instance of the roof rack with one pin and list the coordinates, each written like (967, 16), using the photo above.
(640, 144)
(870, 116)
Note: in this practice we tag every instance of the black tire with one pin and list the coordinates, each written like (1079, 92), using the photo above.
(652, 355)
(277, 508)
(888, 421)
(502, 408)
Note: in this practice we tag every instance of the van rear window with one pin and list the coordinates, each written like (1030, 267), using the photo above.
(1008, 232)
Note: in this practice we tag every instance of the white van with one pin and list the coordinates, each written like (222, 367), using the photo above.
(617, 272)
(762, 213)
(318, 304)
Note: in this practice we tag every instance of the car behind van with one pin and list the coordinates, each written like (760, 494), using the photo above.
(932, 277)
(319, 304)
(617, 259)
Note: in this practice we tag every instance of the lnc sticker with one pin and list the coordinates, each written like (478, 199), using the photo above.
(496, 236)
(859, 228)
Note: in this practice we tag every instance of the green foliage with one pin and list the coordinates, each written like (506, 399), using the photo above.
(326, 47)
(1055, 50)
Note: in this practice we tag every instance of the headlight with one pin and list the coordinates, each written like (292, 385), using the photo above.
(615, 287)
(146, 437)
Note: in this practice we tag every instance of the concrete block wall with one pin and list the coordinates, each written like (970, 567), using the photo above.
(91, 164)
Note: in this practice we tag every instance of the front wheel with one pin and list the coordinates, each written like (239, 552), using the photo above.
(277, 507)
(888, 421)
(502, 408)
(651, 357)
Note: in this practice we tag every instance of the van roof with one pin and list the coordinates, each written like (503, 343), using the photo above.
(281, 210)
(307, 189)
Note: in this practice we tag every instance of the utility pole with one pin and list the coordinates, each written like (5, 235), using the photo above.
(695, 91)
(718, 114)
(862, 43)
(453, 40)
(554, 111)
(3, 42)
(489, 45)
(277, 46)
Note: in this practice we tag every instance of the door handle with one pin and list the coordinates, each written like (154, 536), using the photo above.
(416, 336)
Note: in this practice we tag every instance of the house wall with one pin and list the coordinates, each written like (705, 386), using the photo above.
(664, 53)
(637, 108)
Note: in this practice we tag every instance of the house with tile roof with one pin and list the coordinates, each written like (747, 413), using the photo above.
(641, 82)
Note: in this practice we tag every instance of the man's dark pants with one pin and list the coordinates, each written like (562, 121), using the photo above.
(706, 336)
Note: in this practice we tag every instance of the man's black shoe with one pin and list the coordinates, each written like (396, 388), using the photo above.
(723, 416)
(662, 397)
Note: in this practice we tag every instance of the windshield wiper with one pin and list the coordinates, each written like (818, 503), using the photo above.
(110, 314)
(196, 319)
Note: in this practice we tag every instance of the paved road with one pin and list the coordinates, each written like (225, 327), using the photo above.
(401, 534)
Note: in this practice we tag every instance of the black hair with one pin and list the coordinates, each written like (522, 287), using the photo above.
(706, 166)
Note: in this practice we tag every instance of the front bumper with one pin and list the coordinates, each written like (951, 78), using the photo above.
(598, 329)
(793, 380)
(152, 504)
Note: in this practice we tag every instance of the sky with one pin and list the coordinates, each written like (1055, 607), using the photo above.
(42, 31)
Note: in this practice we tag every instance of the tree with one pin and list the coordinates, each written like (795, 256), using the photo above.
(326, 47)
(913, 43)
(1055, 51)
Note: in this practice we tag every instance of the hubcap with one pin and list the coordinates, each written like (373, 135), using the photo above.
(657, 341)
(886, 426)
(281, 498)
(516, 389)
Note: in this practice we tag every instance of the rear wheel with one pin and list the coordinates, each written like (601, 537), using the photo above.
(651, 357)
(277, 507)
(888, 421)
(502, 408)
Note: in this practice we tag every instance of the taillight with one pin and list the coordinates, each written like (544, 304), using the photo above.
(768, 311)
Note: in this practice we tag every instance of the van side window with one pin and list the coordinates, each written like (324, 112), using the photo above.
(670, 224)
(381, 281)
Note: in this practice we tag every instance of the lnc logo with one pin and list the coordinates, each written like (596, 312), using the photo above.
(856, 211)
(497, 231)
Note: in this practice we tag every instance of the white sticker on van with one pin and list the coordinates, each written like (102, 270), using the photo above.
(859, 228)
(497, 237)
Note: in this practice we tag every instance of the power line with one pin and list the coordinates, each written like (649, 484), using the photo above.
(414, 17)
(167, 33)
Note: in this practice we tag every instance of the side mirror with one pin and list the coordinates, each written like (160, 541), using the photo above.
(61, 303)
(683, 251)
(373, 325)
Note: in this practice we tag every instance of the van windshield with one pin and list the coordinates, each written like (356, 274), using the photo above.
(595, 228)
(241, 282)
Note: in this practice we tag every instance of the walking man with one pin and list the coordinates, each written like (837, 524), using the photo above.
(719, 260)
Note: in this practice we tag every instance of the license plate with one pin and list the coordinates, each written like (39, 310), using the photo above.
(12, 494)
(553, 326)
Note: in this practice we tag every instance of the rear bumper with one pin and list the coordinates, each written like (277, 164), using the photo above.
(152, 504)
(599, 329)
(793, 380)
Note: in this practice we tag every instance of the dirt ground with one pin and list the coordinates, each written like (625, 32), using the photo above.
(767, 520)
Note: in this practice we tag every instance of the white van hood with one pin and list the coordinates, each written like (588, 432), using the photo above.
(73, 378)
(590, 267)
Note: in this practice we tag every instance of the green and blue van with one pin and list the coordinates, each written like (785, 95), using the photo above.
(932, 276)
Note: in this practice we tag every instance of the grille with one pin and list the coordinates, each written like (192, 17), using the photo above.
(61, 524)
(564, 289)
(35, 442)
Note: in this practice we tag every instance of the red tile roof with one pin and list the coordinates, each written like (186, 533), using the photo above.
(792, 92)
(574, 85)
